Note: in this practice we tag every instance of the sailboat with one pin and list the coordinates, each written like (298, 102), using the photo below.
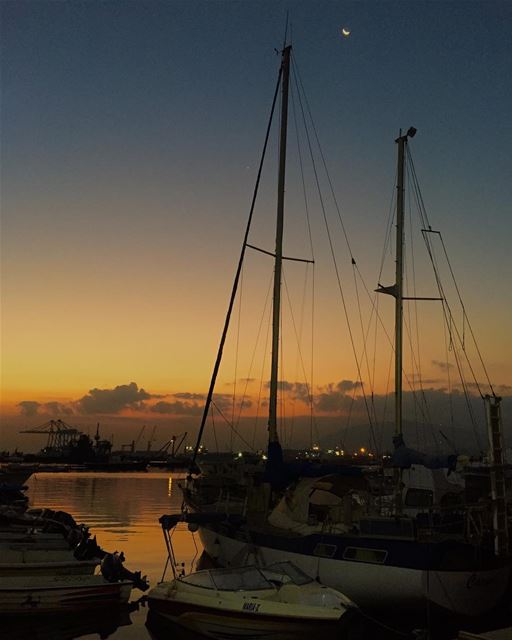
(400, 537)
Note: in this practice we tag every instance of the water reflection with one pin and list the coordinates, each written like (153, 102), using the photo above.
(122, 510)
(163, 631)
(103, 624)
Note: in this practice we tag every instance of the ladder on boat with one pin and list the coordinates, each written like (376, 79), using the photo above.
(497, 473)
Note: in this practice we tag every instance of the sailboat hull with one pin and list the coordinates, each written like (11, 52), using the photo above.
(459, 592)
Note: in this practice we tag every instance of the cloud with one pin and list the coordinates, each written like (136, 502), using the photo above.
(29, 407)
(413, 376)
(224, 402)
(282, 385)
(189, 396)
(444, 366)
(302, 392)
(334, 397)
(347, 385)
(58, 408)
(177, 408)
(124, 396)
(299, 390)
(333, 402)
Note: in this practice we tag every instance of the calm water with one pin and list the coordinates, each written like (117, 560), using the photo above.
(122, 510)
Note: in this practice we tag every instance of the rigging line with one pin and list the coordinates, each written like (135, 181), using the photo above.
(231, 426)
(386, 396)
(421, 205)
(466, 392)
(331, 245)
(308, 221)
(465, 315)
(365, 351)
(283, 425)
(237, 343)
(414, 290)
(301, 165)
(447, 307)
(214, 431)
(311, 398)
(355, 270)
(319, 146)
(374, 357)
(383, 326)
(389, 227)
(426, 224)
(237, 276)
(418, 398)
(345, 429)
(449, 380)
(263, 366)
(265, 306)
(424, 221)
(297, 336)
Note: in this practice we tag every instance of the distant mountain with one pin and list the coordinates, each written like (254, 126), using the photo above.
(436, 436)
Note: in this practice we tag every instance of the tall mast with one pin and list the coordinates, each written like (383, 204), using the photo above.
(401, 141)
(276, 307)
(397, 290)
(399, 286)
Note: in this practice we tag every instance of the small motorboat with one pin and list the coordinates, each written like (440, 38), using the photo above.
(45, 594)
(277, 601)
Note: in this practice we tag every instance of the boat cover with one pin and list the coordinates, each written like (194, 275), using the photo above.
(170, 521)
(280, 474)
(404, 457)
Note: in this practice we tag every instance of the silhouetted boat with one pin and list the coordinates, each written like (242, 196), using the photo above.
(29, 594)
(396, 536)
(117, 465)
(277, 601)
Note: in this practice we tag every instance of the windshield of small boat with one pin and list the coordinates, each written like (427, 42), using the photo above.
(238, 579)
(284, 573)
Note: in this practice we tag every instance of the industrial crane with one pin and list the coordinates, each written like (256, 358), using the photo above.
(60, 434)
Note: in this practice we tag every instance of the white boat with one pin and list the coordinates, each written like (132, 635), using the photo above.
(410, 538)
(30, 594)
(278, 601)
(37, 562)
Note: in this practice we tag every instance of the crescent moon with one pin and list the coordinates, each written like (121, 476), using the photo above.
(345, 32)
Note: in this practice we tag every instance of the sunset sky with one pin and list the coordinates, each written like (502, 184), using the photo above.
(131, 136)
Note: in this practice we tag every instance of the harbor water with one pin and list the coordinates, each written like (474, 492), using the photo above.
(122, 511)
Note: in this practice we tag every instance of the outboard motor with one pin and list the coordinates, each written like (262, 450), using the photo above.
(112, 570)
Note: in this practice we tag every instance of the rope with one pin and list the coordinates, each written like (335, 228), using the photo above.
(248, 377)
(237, 277)
(328, 231)
(237, 343)
(232, 426)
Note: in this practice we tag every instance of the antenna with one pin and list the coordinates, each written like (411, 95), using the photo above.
(286, 29)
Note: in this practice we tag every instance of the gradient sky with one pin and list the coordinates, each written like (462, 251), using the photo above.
(131, 134)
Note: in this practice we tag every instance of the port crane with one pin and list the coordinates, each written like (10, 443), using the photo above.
(133, 444)
(60, 434)
(172, 443)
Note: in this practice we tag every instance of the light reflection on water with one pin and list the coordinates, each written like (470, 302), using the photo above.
(122, 511)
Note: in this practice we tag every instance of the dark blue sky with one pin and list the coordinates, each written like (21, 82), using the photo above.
(131, 132)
